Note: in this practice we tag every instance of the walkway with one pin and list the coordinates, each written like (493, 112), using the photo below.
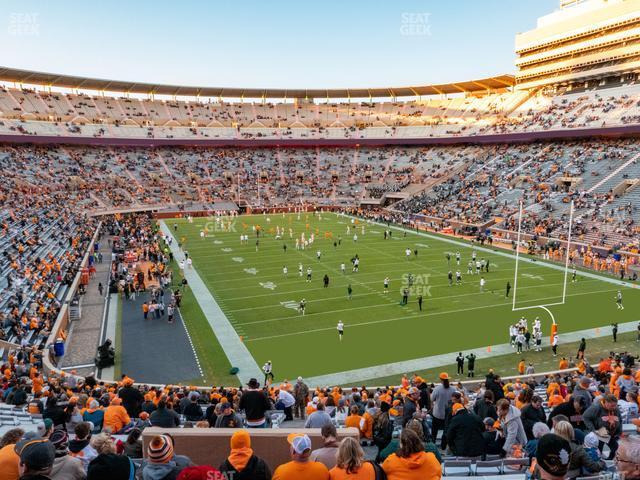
(235, 350)
(84, 334)
(154, 350)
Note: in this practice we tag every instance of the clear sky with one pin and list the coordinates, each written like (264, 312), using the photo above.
(268, 43)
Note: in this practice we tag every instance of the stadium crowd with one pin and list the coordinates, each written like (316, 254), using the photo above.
(92, 429)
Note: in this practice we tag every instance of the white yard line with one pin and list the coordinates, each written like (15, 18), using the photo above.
(498, 251)
(405, 317)
(235, 350)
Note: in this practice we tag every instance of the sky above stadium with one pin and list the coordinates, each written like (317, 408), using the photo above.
(260, 43)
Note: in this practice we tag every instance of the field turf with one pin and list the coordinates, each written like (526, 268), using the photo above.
(261, 302)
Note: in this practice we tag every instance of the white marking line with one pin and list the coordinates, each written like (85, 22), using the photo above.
(436, 361)
(368, 294)
(193, 348)
(87, 365)
(512, 257)
(386, 320)
(373, 282)
(235, 350)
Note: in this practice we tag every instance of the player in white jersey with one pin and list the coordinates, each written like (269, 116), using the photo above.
(340, 328)
(619, 300)
(300, 268)
(342, 267)
(285, 271)
(407, 253)
(386, 285)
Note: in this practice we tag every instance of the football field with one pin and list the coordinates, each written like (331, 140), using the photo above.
(248, 282)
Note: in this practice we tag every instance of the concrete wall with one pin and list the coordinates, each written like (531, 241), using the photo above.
(210, 446)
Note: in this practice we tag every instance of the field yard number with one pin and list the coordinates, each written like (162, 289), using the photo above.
(533, 277)
(269, 285)
(290, 304)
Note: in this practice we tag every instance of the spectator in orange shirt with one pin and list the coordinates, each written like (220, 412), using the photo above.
(411, 461)
(300, 466)
(354, 420)
(116, 417)
(521, 367)
(351, 464)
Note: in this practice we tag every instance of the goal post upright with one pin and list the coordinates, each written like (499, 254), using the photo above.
(568, 255)
(515, 276)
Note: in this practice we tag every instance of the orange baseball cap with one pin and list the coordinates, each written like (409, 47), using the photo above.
(443, 376)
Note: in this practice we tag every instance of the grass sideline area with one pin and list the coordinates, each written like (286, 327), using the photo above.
(261, 303)
(507, 365)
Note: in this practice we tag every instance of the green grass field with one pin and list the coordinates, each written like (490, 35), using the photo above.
(261, 302)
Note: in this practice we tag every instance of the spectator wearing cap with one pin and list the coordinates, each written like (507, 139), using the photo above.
(411, 405)
(80, 446)
(581, 462)
(45, 428)
(440, 398)
(573, 409)
(603, 417)
(110, 466)
(255, 404)
(511, 424)
(36, 455)
(116, 417)
(301, 466)
(532, 413)
(350, 462)
(553, 456)
(411, 461)
(164, 417)
(300, 393)
(582, 390)
(242, 463)
(319, 418)
(131, 397)
(464, 433)
(65, 467)
(227, 418)
(327, 453)
(9, 459)
(160, 464)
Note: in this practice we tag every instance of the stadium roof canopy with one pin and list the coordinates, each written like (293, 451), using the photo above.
(84, 83)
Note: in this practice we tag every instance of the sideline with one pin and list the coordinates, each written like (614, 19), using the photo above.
(409, 366)
(235, 350)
